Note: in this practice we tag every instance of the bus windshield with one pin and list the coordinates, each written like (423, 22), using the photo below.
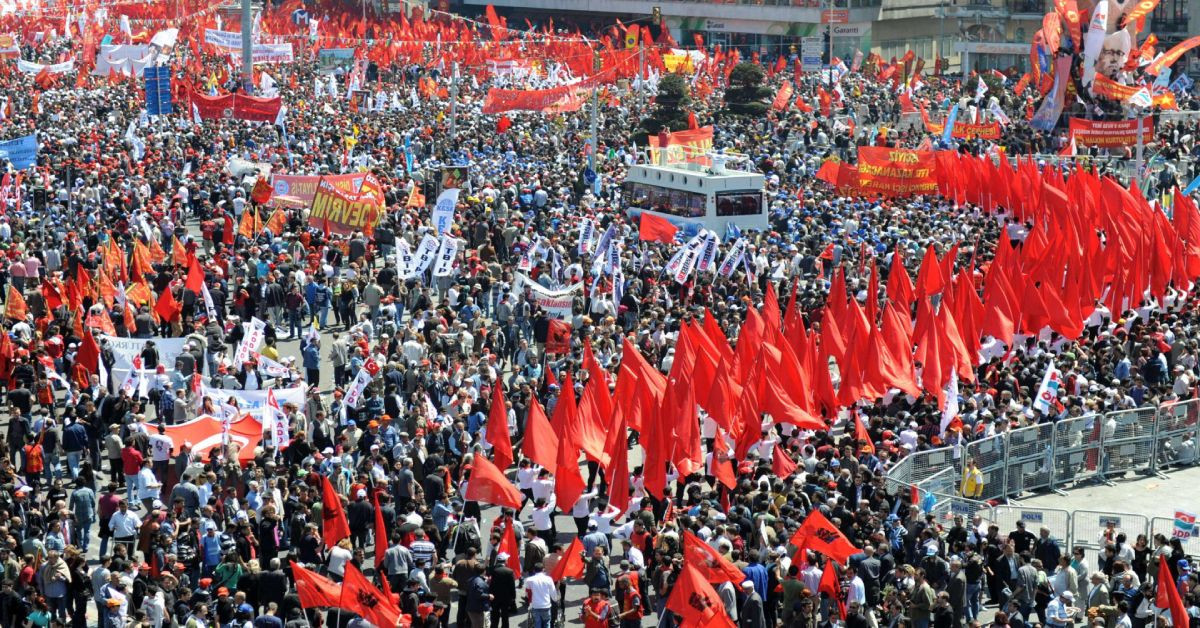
(748, 203)
(664, 200)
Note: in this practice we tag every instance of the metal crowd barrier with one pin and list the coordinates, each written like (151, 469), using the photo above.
(1053, 519)
(1166, 527)
(1058, 455)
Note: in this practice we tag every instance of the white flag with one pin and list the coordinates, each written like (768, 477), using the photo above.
(951, 409)
(1047, 397)
(445, 257)
(443, 211)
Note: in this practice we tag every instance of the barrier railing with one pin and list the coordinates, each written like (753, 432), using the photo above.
(1058, 455)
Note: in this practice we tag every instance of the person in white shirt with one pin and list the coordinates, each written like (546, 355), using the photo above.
(149, 487)
(543, 487)
(124, 525)
(543, 519)
(338, 557)
(541, 593)
(633, 555)
(161, 447)
(581, 510)
(1061, 611)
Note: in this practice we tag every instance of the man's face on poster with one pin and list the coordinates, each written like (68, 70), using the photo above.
(1113, 54)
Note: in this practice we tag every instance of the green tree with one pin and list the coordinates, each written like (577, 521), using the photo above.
(746, 95)
(671, 107)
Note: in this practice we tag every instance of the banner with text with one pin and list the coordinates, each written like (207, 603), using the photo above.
(893, 172)
(1111, 133)
(964, 130)
(689, 146)
(342, 211)
(296, 191)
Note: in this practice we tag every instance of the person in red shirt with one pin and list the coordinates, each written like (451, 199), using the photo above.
(131, 463)
(596, 609)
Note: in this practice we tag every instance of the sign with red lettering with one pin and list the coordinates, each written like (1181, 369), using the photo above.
(894, 172)
(1111, 133)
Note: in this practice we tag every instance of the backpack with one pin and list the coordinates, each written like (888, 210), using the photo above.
(600, 579)
(465, 537)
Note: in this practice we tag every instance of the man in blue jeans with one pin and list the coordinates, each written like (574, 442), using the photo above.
(541, 593)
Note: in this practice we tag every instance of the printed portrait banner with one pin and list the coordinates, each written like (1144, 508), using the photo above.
(965, 130)
(21, 152)
(685, 146)
(330, 60)
(126, 349)
(344, 212)
(891, 172)
(297, 191)
(253, 401)
(206, 432)
(1110, 134)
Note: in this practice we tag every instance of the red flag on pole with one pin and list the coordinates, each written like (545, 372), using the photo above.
(361, 597)
(656, 229)
(334, 526)
(541, 443)
(571, 563)
(381, 535)
(508, 545)
(694, 600)
(782, 464)
(713, 566)
(820, 535)
(315, 590)
(1168, 597)
(488, 485)
(497, 428)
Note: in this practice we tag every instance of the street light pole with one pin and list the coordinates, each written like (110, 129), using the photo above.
(247, 58)
(453, 102)
(595, 122)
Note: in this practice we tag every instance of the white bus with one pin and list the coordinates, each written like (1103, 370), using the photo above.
(695, 197)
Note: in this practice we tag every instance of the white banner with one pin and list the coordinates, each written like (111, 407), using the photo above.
(131, 59)
(1047, 396)
(404, 258)
(29, 67)
(708, 254)
(126, 349)
(556, 303)
(250, 342)
(270, 367)
(736, 253)
(227, 41)
(445, 257)
(426, 251)
(354, 393)
(587, 230)
(278, 419)
(133, 383)
(443, 211)
(253, 401)
(266, 53)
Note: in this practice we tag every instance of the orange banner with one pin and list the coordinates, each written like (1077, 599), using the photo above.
(892, 172)
(963, 130)
(1110, 134)
(783, 96)
(204, 433)
(344, 212)
(1172, 55)
(685, 146)
(1105, 87)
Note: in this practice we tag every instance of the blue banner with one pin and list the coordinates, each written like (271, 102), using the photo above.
(21, 152)
(1191, 187)
(950, 120)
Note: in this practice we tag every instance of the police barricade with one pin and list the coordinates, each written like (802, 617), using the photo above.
(1166, 527)
(990, 456)
(1055, 520)
(1175, 434)
(1030, 453)
(946, 506)
(899, 476)
(1093, 530)
(1077, 450)
(925, 465)
(1129, 446)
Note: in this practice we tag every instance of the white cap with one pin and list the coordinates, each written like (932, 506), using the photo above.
(502, 556)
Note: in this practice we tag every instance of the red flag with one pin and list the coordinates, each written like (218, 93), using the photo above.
(361, 597)
(381, 535)
(334, 526)
(696, 602)
(508, 545)
(618, 467)
(497, 428)
(861, 435)
(568, 481)
(50, 296)
(195, 276)
(15, 308)
(723, 470)
(929, 278)
(167, 307)
(558, 337)
(488, 485)
(571, 563)
(831, 585)
(315, 590)
(712, 566)
(89, 353)
(1168, 597)
(541, 443)
(782, 464)
(656, 229)
(820, 535)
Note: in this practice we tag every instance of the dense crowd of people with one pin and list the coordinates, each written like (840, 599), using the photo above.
(106, 520)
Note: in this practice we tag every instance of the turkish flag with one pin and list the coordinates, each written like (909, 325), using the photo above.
(315, 590)
(361, 597)
(541, 443)
(712, 566)
(571, 563)
(656, 229)
(782, 464)
(334, 526)
(488, 485)
(15, 308)
(820, 535)
(694, 599)
(497, 428)
(372, 367)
